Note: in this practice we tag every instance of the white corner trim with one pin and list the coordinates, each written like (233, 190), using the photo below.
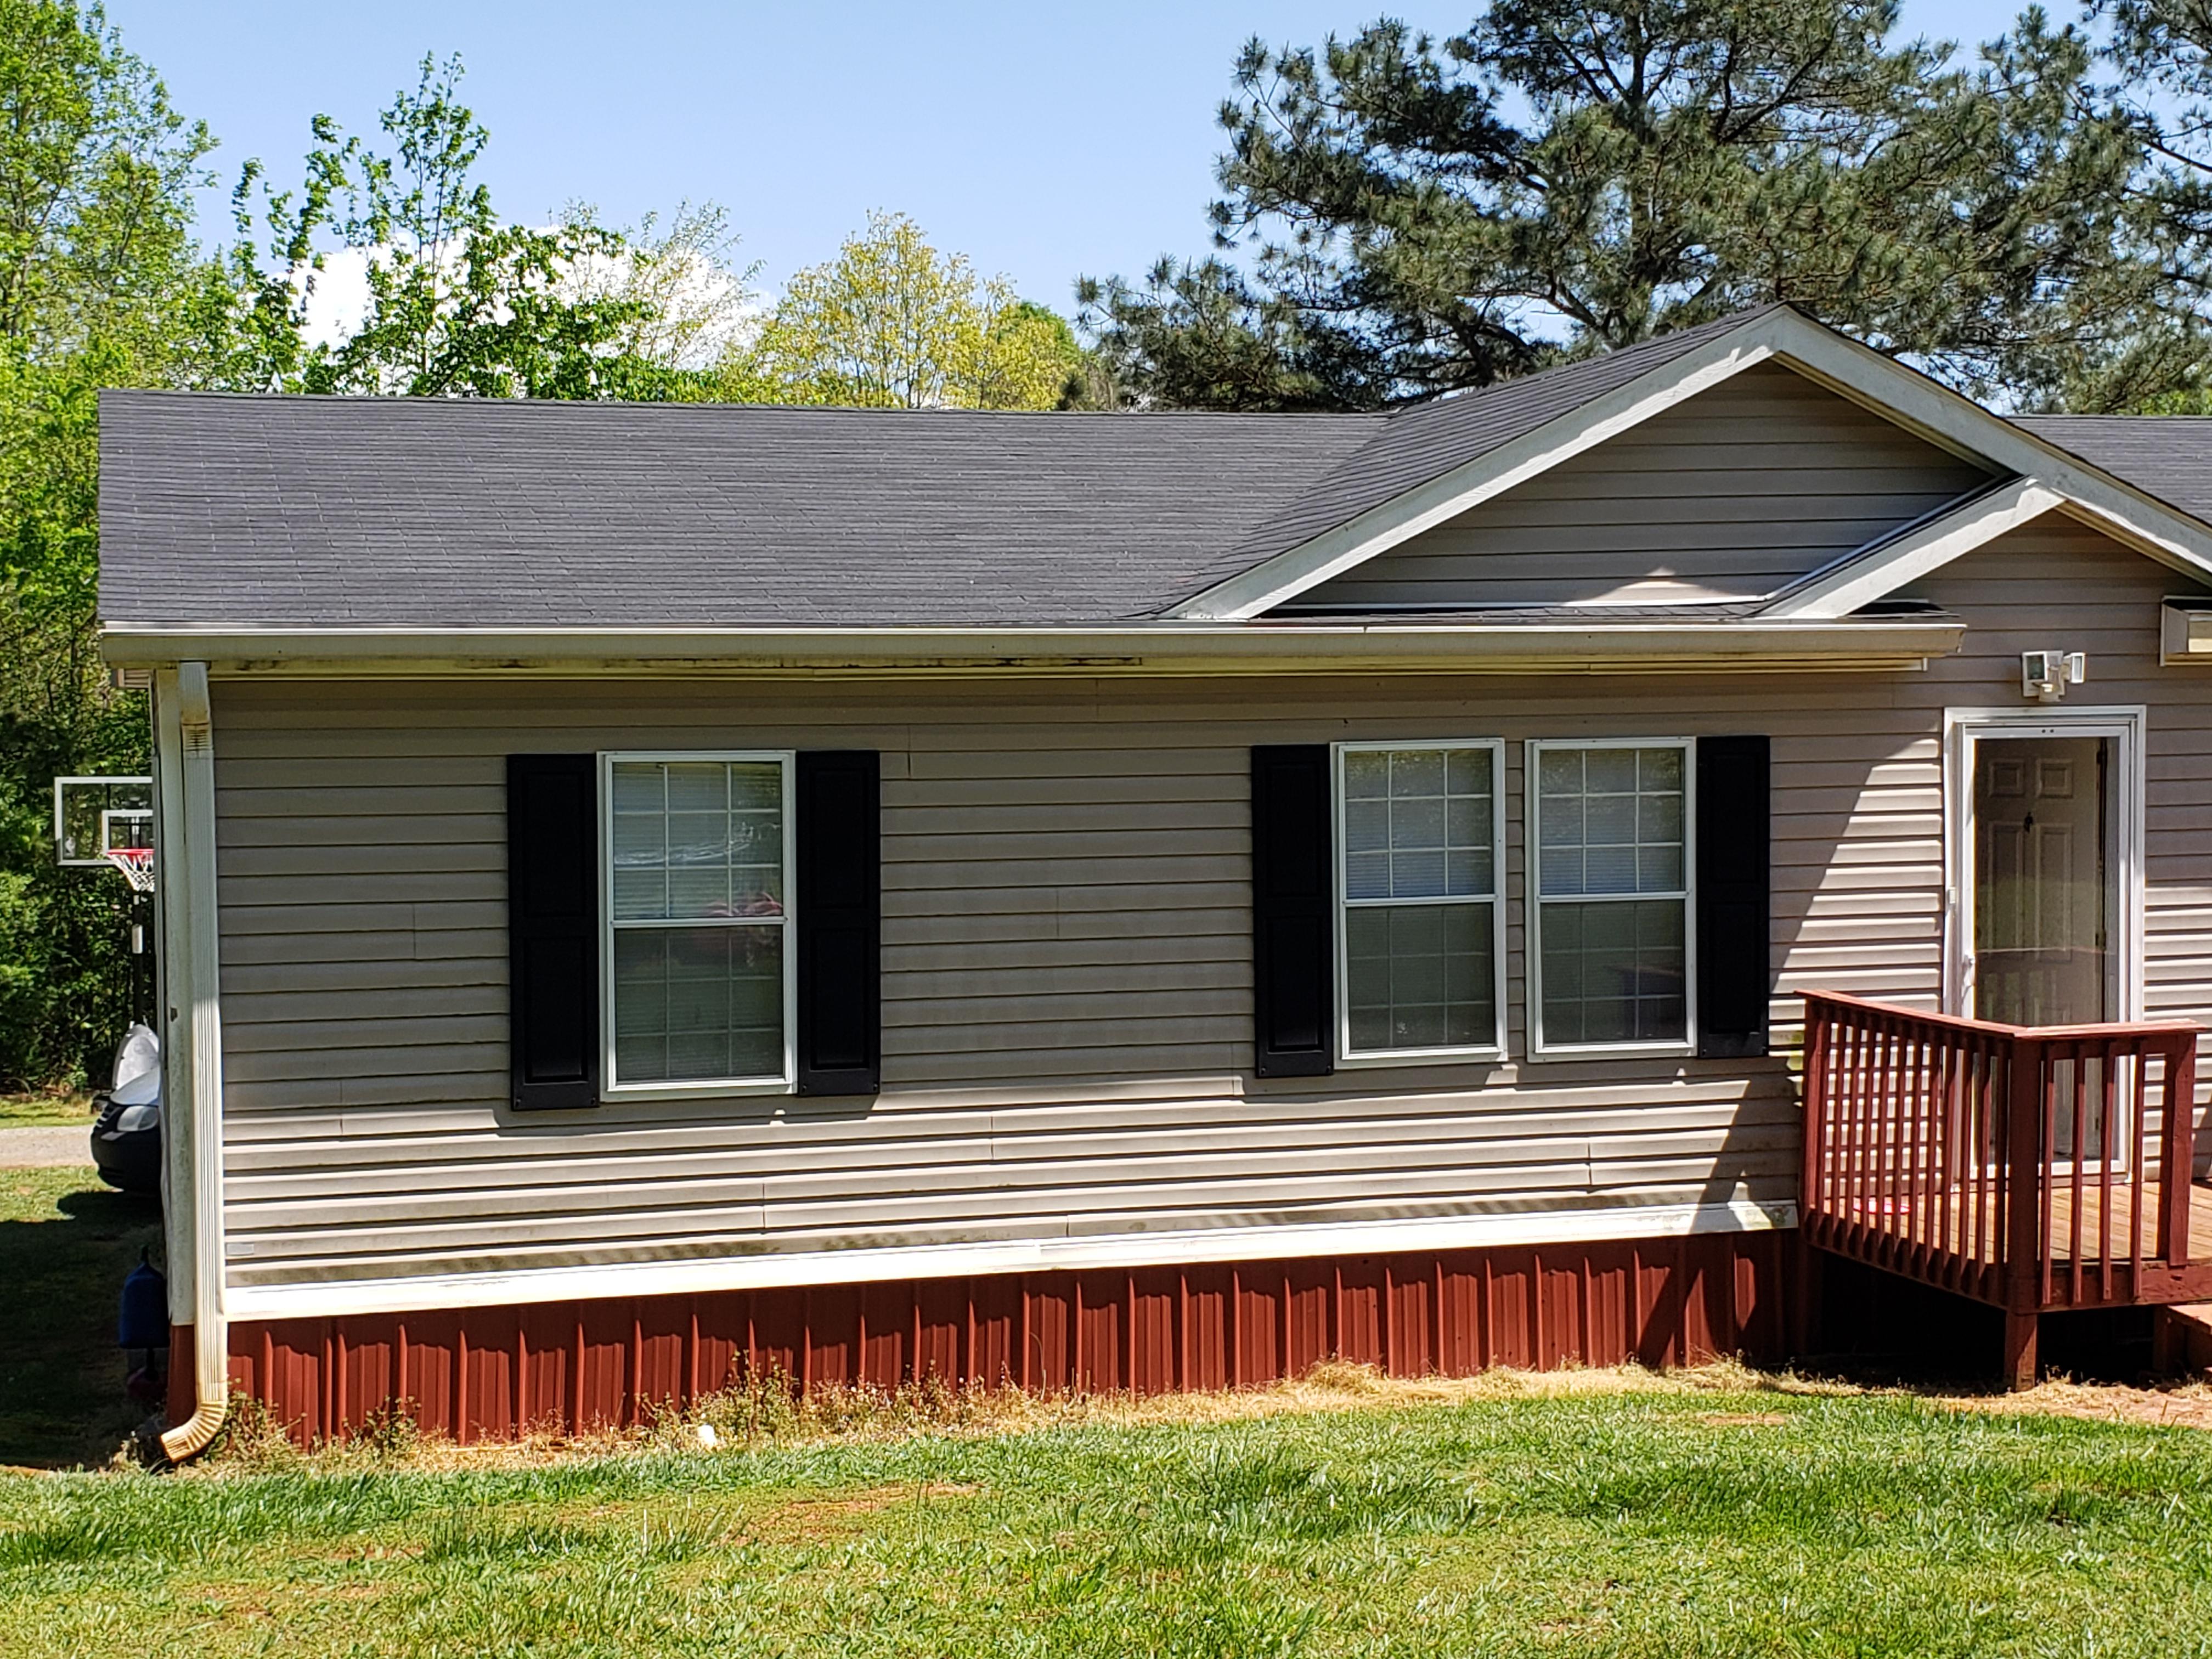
(1880, 568)
(1289, 573)
(1900, 394)
(778, 1271)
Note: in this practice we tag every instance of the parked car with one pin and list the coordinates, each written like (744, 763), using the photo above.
(126, 1134)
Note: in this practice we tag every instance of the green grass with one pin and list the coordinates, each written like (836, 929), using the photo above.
(1632, 1523)
(40, 1111)
(66, 1243)
(1660, 1522)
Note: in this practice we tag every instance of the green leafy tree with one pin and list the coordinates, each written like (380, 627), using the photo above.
(460, 301)
(95, 175)
(893, 323)
(1408, 215)
(687, 298)
(96, 172)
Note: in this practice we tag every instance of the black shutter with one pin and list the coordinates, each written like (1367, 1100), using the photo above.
(553, 929)
(1734, 971)
(839, 923)
(1292, 928)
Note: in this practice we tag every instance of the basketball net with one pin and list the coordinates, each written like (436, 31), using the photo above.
(136, 864)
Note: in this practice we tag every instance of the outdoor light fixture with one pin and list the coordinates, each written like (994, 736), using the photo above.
(2045, 675)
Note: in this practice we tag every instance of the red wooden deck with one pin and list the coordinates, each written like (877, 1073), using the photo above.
(2026, 1167)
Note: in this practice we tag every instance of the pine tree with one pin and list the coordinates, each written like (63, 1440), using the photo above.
(1402, 215)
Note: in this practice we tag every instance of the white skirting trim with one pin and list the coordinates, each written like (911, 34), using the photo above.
(782, 1271)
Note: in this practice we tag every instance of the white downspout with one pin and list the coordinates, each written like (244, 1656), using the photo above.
(190, 880)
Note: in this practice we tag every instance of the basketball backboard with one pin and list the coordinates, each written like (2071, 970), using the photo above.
(94, 816)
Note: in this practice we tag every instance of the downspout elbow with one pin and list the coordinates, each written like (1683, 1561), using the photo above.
(196, 1432)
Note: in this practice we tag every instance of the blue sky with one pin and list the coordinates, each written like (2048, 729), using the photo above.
(1041, 140)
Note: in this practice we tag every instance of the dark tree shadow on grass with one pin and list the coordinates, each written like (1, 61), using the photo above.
(66, 1242)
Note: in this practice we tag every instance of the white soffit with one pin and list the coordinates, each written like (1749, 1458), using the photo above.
(1900, 394)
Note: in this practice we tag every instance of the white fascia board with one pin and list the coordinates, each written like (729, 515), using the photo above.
(1187, 648)
(1902, 395)
(1287, 574)
(1880, 569)
(773, 1270)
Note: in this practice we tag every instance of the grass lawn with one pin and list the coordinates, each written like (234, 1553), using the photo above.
(1660, 1522)
(40, 1111)
(66, 1243)
(1614, 1517)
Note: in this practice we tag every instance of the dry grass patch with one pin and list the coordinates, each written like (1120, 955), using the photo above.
(769, 1411)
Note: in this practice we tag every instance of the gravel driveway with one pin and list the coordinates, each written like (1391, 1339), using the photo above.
(43, 1149)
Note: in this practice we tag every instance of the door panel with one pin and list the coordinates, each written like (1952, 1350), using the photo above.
(2042, 876)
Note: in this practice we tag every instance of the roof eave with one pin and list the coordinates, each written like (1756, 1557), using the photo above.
(1473, 646)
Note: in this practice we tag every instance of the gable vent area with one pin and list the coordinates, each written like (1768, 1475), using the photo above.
(1729, 496)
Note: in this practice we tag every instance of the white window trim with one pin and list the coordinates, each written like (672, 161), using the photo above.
(1347, 1056)
(702, 1089)
(1532, 889)
(2125, 726)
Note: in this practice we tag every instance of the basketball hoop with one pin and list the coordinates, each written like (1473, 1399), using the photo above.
(136, 864)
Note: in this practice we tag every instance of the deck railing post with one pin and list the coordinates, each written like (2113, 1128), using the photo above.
(2177, 1151)
(1809, 1193)
(2024, 1062)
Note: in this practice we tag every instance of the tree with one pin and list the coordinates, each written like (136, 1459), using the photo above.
(1410, 216)
(95, 175)
(96, 170)
(2160, 51)
(461, 302)
(892, 323)
(687, 298)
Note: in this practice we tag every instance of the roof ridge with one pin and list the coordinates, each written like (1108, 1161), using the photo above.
(711, 407)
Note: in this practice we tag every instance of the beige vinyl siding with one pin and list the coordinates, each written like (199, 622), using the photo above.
(1730, 494)
(1067, 950)
(2059, 586)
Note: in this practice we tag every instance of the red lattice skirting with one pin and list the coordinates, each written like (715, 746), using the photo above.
(491, 1373)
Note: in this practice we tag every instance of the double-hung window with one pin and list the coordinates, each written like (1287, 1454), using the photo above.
(699, 987)
(1421, 934)
(1611, 825)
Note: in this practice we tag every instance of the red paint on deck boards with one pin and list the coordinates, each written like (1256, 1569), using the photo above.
(494, 1373)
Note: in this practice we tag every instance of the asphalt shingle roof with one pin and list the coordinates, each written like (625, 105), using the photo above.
(291, 511)
(2168, 455)
(304, 512)
(307, 512)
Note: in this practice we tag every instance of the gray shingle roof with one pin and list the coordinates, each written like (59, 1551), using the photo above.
(2168, 455)
(290, 512)
(305, 512)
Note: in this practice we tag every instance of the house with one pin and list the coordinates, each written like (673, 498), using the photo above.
(1150, 900)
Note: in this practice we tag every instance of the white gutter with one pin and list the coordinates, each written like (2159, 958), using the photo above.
(202, 1019)
(1472, 646)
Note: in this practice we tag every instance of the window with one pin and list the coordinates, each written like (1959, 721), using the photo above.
(699, 983)
(1609, 934)
(1419, 847)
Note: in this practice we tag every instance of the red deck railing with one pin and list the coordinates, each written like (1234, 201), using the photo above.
(2014, 1165)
